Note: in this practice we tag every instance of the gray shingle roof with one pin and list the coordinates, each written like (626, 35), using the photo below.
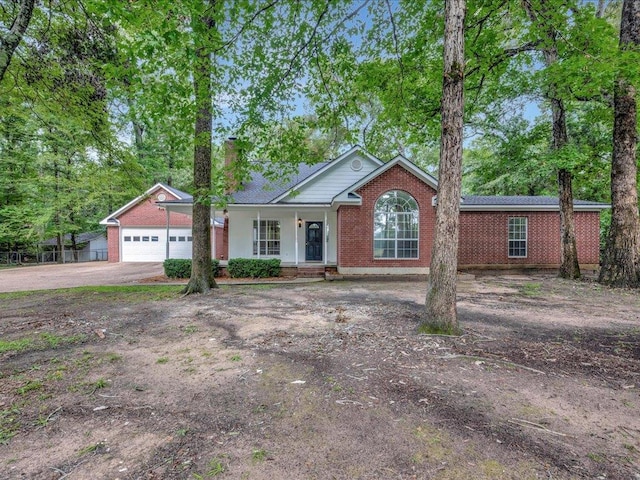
(176, 192)
(515, 200)
(261, 190)
(80, 238)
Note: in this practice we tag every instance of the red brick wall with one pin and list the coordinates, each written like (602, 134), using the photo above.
(483, 235)
(484, 238)
(147, 214)
(113, 244)
(588, 237)
(222, 249)
(355, 223)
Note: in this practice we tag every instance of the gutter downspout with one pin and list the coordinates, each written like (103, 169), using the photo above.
(258, 235)
(119, 241)
(166, 255)
(295, 227)
(326, 238)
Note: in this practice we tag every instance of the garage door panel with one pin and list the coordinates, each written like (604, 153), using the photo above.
(149, 244)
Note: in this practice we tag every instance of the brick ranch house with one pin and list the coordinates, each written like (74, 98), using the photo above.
(357, 215)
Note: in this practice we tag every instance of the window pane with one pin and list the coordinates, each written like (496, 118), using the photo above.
(266, 237)
(517, 231)
(396, 226)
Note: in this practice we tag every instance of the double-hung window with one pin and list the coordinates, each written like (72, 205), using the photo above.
(395, 233)
(517, 237)
(266, 237)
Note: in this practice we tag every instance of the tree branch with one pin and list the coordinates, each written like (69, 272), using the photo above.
(10, 42)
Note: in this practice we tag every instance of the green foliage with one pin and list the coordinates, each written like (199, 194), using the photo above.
(181, 267)
(605, 223)
(253, 267)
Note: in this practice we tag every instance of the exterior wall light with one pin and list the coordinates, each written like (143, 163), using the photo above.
(299, 223)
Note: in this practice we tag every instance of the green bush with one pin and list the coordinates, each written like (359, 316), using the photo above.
(253, 268)
(181, 267)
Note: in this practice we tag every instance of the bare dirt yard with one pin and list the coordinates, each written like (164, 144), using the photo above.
(321, 381)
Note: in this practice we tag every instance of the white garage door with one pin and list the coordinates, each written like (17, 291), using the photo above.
(150, 244)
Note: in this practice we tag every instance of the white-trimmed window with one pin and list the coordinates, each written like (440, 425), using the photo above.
(267, 239)
(396, 226)
(517, 237)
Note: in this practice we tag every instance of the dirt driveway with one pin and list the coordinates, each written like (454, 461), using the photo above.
(321, 381)
(47, 277)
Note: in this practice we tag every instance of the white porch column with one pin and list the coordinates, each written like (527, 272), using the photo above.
(326, 238)
(258, 234)
(295, 226)
(213, 231)
(168, 223)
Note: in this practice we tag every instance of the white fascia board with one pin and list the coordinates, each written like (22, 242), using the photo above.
(287, 206)
(417, 171)
(328, 166)
(343, 197)
(107, 220)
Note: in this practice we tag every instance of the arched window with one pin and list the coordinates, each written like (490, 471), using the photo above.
(395, 231)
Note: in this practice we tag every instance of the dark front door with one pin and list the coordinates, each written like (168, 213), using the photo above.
(314, 242)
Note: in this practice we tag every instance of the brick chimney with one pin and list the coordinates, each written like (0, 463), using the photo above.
(230, 158)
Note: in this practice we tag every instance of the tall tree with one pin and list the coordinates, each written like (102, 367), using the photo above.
(542, 16)
(204, 26)
(440, 310)
(10, 41)
(621, 266)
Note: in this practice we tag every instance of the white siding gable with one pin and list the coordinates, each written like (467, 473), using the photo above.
(337, 177)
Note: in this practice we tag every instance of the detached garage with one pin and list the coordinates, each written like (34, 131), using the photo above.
(142, 231)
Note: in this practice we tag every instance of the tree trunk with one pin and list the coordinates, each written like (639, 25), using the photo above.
(202, 280)
(74, 247)
(60, 247)
(569, 266)
(440, 312)
(10, 41)
(620, 266)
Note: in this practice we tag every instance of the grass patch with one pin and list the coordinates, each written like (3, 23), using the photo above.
(100, 383)
(162, 360)
(531, 289)
(123, 293)
(90, 449)
(9, 424)
(52, 341)
(259, 455)
(30, 386)
(596, 457)
(15, 345)
(114, 357)
(215, 467)
(432, 328)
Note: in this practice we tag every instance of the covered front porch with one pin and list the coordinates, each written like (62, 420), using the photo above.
(303, 236)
